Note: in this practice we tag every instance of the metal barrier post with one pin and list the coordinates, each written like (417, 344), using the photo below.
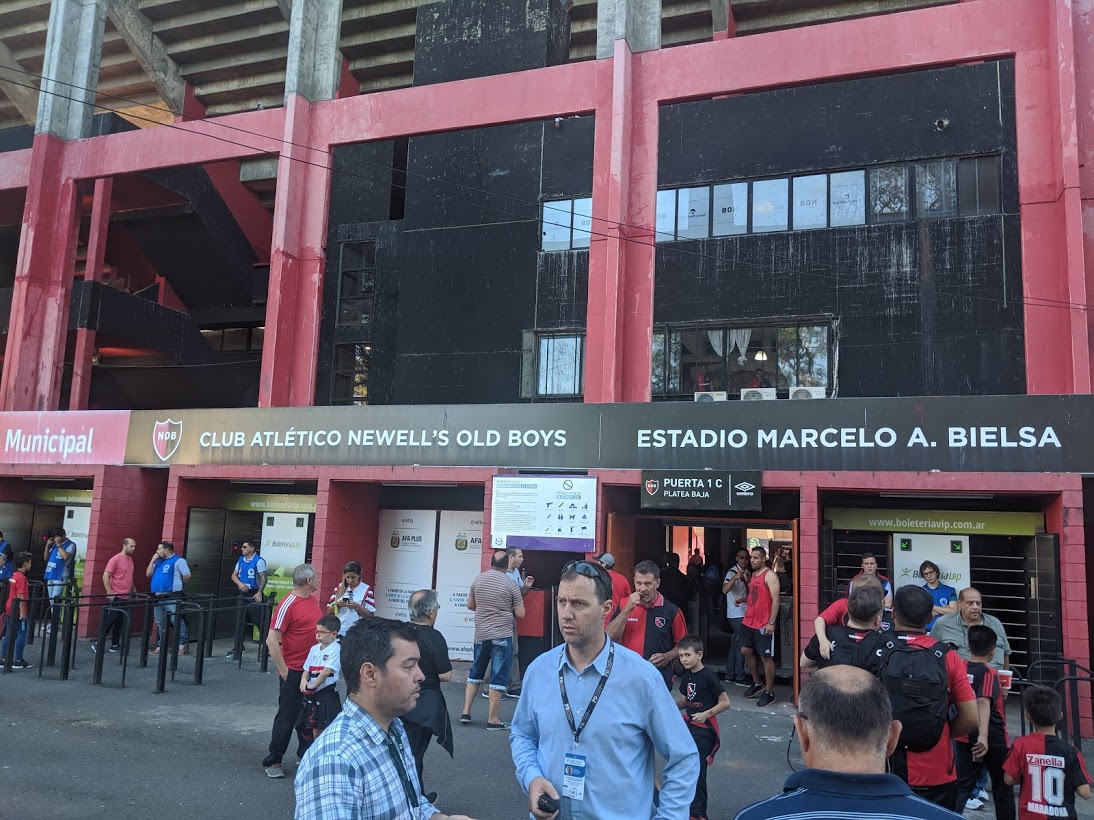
(100, 645)
(161, 666)
(68, 613)
(146, 630)
(1073, 734)
(264, 633)
(52, 628)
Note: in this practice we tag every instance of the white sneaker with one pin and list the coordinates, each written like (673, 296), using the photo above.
(974, 804)
(983, 795)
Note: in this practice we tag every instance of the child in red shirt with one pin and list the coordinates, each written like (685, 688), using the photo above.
(16, 622)
(1050, 770)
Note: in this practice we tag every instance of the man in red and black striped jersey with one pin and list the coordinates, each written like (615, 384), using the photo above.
(1050, 770)
(648, 623)
(291, 635)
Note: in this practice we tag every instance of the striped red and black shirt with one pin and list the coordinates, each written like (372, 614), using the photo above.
(1049, 771)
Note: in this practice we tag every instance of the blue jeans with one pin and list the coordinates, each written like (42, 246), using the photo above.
(735, 663)
(160, 613)
(499, 654)
(20, 628)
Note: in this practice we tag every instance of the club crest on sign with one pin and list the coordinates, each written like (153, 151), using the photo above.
(651, 486)
(166, 437)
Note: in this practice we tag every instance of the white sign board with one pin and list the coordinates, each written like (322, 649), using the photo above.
(77, 524)
(459, 561)
(283, 546)
(544, 513)
(404, 559)
(950, 552)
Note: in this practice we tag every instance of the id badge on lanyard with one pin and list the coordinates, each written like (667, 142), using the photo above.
(575, 764)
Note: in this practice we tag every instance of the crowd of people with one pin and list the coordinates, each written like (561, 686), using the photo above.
(902, 714)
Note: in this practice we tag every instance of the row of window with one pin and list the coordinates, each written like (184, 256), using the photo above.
(357, 287)
(567, 224)
(888, 193)
(235, 338)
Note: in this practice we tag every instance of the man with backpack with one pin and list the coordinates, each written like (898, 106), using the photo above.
(864, 608)
(923, 678)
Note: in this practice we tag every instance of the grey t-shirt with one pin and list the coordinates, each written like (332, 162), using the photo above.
(953, 629)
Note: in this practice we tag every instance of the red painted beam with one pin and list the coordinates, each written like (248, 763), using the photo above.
(14, 169)
(238, 136)
(34, 355)
(250, 214)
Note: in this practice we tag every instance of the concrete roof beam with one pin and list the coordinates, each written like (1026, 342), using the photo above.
(136, 30)
(13, 85)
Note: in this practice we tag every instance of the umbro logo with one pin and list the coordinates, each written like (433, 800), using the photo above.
(744, 487)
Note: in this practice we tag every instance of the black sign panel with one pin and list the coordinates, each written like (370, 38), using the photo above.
(700, 490)
(950, 434)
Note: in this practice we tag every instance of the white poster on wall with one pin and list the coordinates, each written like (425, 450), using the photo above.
(950, 552)
(77, 524)
(283, 546)
(544, 513)
(404, 559)
(459, 560)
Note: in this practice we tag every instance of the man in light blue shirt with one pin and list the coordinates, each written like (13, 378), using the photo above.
(597, 758)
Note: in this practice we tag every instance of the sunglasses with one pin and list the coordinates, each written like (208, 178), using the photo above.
(590, 571)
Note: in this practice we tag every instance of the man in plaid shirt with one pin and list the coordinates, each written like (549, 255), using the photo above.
(361, 766)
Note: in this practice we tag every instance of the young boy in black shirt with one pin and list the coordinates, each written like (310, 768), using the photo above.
(985, 746)
(701, 698)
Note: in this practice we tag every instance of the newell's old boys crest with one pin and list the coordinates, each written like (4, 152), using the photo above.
(660, 622)
(166, 437)
(651, 487)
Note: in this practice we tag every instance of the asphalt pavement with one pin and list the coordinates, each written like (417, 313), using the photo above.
(75, 750)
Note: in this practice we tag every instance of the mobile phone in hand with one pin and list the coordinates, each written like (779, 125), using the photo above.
(547, 804)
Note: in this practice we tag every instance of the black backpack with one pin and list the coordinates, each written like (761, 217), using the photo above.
(845, 644)
(919, 690)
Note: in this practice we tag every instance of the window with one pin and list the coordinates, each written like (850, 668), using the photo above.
(560, 365)
(936, 188)
(732, 358)
(978, 186)
(811, 202)
(693, 213)
(235, 339)
(351, 369)
(730, 209)
(847, 198)
(769, 205)
(889, 194)
(357, 287)
(567, 224)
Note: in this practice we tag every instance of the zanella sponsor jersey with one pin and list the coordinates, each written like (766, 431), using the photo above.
(91, 437)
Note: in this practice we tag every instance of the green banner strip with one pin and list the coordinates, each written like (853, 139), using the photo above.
(271, 502)
(63, 497)
(941, 521)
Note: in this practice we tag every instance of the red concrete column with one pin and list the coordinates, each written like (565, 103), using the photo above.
(1053, 263)
(809, 520)
(128, 502)
(80, 389)
(34, 357)
(346, 529)
(620, 305)
(291, 348)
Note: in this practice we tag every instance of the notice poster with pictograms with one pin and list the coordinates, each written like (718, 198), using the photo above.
(950, 552)
(459, 561)
(538, 512)
(406, 546)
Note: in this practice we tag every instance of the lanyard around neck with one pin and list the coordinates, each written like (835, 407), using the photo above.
(579, 728)
(395, 750)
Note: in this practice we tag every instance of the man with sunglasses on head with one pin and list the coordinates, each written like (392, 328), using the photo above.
(591, 716)
(648, 623)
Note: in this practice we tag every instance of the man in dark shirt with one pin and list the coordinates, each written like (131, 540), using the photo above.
(676, 586)
(648, 623)
(846, 729)
(864, 609)
(430, 716)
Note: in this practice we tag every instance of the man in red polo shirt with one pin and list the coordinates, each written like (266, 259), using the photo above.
(648, 623)
(291, 636)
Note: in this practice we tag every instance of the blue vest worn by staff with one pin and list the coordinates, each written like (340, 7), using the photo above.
(57, 566)
(8, 569)
(163, 577)
(248, 571)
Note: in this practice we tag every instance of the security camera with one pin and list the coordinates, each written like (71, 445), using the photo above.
(941, 124)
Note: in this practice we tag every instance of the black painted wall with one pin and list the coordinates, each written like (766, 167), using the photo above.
(460, 277)
(458, 39)
(926, 308)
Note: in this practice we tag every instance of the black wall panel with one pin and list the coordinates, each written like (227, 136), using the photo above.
(458, 39)
(460, 277)
(932, 307)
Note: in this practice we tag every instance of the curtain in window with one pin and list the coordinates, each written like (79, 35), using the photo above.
(739, 337)
(716, 338)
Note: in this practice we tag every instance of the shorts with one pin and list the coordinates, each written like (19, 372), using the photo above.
(499, 654)
(760, 644)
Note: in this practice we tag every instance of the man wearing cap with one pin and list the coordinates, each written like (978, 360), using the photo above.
(621, 587)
